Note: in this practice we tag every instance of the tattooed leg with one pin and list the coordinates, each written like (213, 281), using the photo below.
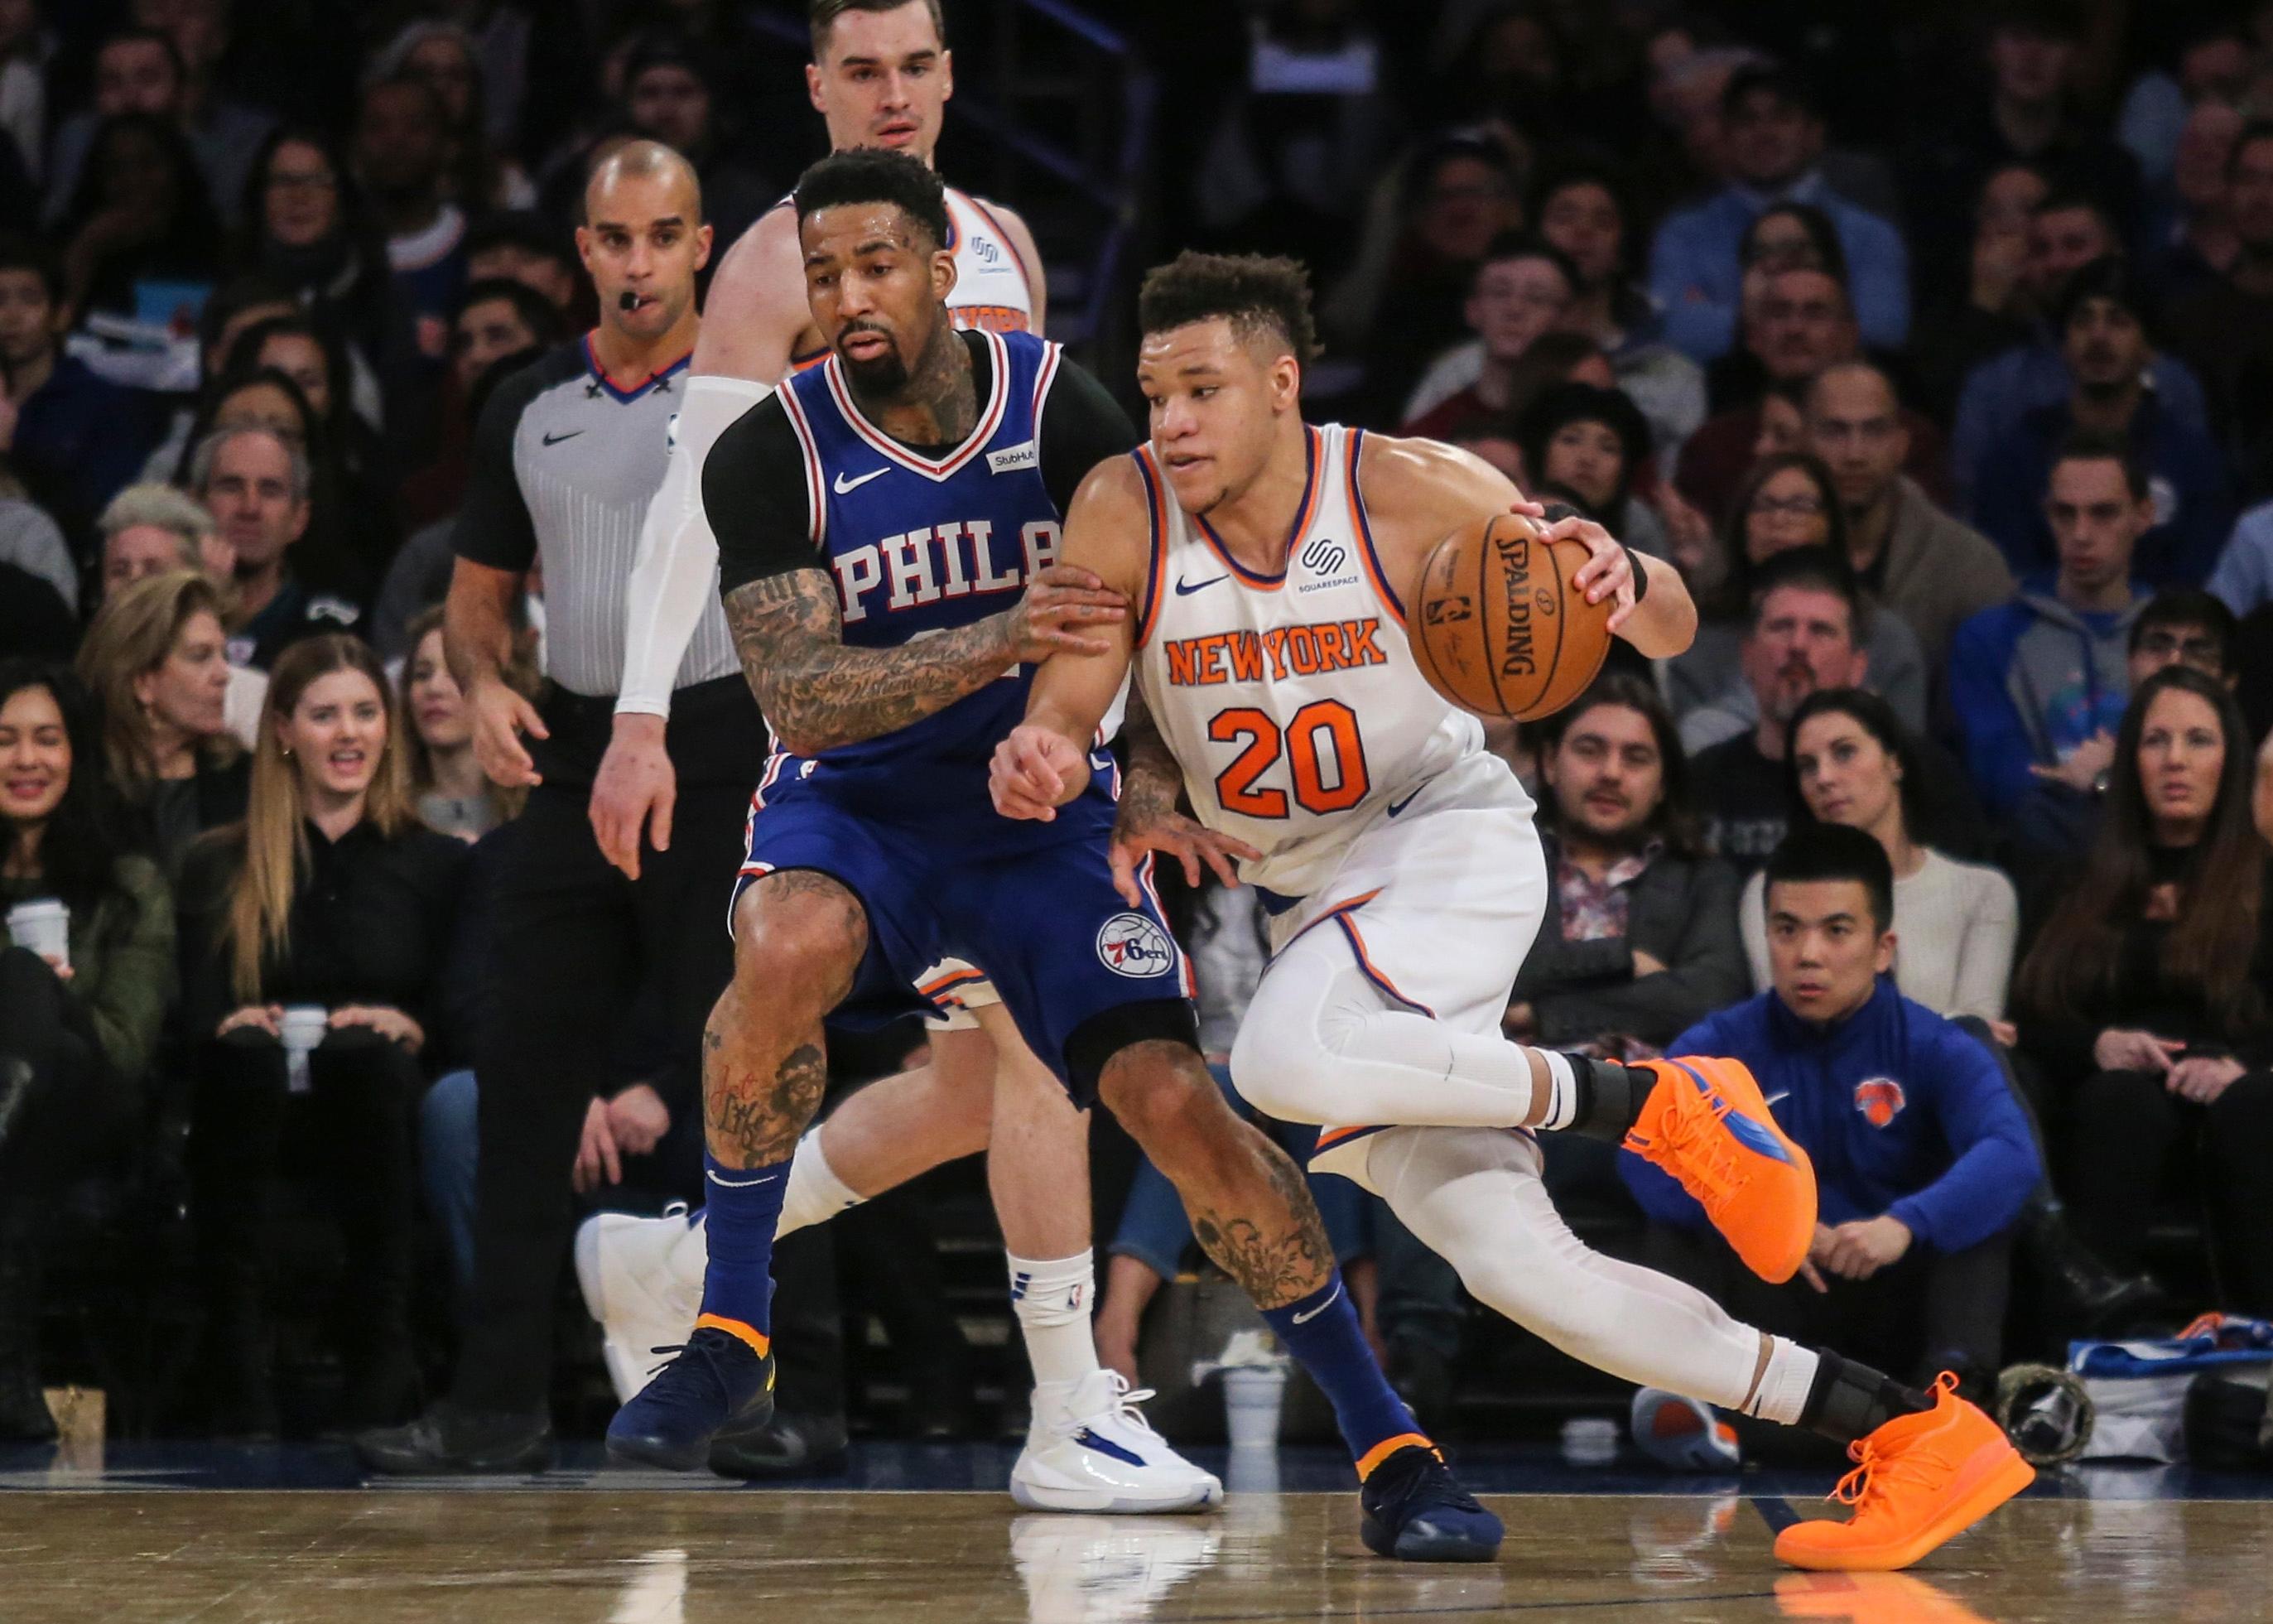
(1249, 1207)
(799, 937)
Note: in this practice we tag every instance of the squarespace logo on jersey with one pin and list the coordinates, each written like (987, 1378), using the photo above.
(1324, 557)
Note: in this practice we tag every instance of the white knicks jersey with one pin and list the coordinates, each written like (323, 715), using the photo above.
(992, 291)
(1291, 701)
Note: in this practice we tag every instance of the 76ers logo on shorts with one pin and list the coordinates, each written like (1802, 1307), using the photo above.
(1879, 1099)
(1132, 945)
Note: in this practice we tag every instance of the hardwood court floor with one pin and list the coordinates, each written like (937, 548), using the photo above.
(650, 1554)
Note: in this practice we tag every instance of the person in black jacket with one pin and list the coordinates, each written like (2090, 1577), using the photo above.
(2144, 998)
(329, 895)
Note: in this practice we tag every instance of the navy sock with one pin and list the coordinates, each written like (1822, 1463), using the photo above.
(743, 1208)
(1322, 1331)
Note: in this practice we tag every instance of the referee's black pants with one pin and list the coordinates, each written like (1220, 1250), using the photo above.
(573, 944)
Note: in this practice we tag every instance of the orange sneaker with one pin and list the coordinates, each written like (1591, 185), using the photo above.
(1707, 1125)
(1919, 1481)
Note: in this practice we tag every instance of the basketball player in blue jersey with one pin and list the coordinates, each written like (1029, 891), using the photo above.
(886, 526)
(881, 76)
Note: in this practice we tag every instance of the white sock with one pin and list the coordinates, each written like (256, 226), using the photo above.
(1051, 1298)
(815, 1194)
(1785, 1384)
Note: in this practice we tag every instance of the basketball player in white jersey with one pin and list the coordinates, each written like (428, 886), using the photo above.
(1270, 566)
(881, 76)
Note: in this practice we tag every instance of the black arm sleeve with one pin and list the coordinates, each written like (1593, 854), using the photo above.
(493, 524)
(753, 494)
(1082, 425)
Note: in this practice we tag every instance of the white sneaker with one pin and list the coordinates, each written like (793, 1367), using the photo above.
(1105, 1570)
(1683, 1434)
(1099, 1453)
(643, 1281)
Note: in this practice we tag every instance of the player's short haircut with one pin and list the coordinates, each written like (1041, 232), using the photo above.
(873, 175)
(1813, 853)
(644, 160)
(820, 17)
(1256, 294)
(19, 252)
(2095, 446)
(1813, 569)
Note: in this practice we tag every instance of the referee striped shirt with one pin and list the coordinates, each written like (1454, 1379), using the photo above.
(565, 464)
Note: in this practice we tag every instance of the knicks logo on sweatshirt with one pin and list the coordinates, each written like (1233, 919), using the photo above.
(1879, 1099)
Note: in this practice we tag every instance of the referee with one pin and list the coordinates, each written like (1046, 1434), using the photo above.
(568, 455)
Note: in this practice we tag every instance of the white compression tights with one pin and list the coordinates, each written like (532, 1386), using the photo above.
(1473, 1197)
(1321, 1043)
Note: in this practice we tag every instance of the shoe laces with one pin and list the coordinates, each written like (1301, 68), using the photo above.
(1694, 1138)
(1427, 1482)
(1877, 1471)
(1123, 1407)
(704, 1345)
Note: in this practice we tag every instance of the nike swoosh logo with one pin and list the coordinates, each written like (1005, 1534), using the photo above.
(1395, 806)
(844, 485)
(1776, 1099)
(554, 440)
(740, 1183)
(1320, 1308)
(1185, 589)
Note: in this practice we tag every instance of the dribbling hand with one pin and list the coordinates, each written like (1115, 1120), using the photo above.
(1034, 772)
(1608, 574)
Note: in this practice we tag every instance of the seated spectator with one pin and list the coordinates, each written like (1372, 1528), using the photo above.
(136, 70)
(1589, 215)
(154, 658)
(1923, 1155)
(1773, 139)
(2224, 327)
(1589, 445)
(1788, 237)
(255, 483)
(449, 791)
(402, 151)
(2068, 232)
(1911, 556)
(319, 365)
(237, 305)
(76, 1027)
(2144, 997)
(1788, 503)
(1853, 764)
(1804, 326)
(74, 437)
(2191, 241)
(448, 60)
(153, 529)
(1639, 939)
(329, 895)
(140, 238)
(495, 318)
(2035, 680)
(2102, 318)
(670, 96)
(1996, 307)
(529, 250)
(1521, 290)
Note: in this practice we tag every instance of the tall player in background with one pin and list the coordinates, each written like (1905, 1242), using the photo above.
(1271, 563)
(880, 77)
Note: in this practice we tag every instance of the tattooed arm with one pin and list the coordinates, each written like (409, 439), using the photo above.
(1149, 819)
(818, 694)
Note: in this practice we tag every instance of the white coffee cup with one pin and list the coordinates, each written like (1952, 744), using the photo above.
(1252, 1395)
(43, 925)
(301, 1028)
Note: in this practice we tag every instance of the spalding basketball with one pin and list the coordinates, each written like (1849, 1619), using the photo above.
(1499, 629)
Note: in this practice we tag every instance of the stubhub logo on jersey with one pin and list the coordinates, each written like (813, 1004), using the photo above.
(938, 561)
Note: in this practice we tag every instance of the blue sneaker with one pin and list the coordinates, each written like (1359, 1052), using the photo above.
(718, 1390)
(1416, 1510)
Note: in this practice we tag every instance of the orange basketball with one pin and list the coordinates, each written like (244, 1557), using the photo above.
(1499, 629)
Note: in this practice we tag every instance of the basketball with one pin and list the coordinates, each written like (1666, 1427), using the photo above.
(1499, 628)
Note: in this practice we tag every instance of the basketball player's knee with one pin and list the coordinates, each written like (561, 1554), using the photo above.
(1165, 1098)
(795, 936)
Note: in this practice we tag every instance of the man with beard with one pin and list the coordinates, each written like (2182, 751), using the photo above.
(1802, 638)
(2224, 328)
(1914, 558)
(2103, 323)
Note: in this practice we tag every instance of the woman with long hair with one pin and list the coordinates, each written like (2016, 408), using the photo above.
(140, 213)
(324, 919)
(1788, 500)
(82, 996)
(156, 657)
(448, 789)
(2144, 997)
(1852, 762)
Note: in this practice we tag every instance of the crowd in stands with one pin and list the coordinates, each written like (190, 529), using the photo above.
(1931, 342)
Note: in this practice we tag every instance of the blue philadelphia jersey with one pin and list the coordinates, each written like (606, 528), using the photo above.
(952, 889)
(917, 547)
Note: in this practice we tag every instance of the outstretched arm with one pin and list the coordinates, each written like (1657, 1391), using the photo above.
(817, 693)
